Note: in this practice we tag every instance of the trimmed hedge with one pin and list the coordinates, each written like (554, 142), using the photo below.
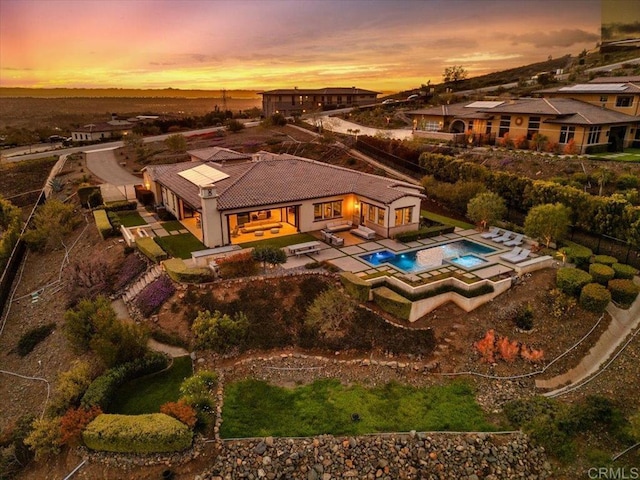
(100, 392)
(179, 272)
(578, 255)
(85, 192)
(355, 286)
(571, 280)
(427, 232)
(392, 302)
(150, 433)
(595, 297)
(102, 222)
(151, 249)
(623, 291)
(120, 205)
(601, 273)
(605, 260)
(624, 271)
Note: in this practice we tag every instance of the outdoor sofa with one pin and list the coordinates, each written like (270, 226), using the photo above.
(364, 232)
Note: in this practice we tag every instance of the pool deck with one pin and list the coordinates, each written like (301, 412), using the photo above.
(347, 258)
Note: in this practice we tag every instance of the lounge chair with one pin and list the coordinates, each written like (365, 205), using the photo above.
(516, 241)
(507, 235)
(523, 255)
(513, 253)
(493, 232)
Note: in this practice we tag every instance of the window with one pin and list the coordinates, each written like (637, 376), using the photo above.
(505, 125)
(327, 210)
(373, 213)
(594, 135)
(431, 126)
(604, 98)
(567, 133)
(470, 128)
(624, 101)
(381, 216)
(534, 127)
(404, 215)
(489, 126)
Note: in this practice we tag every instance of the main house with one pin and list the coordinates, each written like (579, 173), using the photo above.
(296, 101)
(561, 120)
(234, 197)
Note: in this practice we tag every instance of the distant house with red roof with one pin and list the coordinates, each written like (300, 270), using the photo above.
(114, 128)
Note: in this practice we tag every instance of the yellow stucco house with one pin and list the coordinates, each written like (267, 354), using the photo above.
(589, 127)
(240, 197)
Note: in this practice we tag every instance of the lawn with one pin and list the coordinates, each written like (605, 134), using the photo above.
(445, 220)
(130, 219)
(181, 245)
(253, 408)
(629, 155)
(146, 395)
(172, 226)
(281, 242)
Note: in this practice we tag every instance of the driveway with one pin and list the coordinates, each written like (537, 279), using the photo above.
(339, 125)
(118, 182)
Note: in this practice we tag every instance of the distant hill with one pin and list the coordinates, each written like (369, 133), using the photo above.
(122, 93)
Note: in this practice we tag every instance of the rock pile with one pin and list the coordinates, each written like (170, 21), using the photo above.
(386, 457)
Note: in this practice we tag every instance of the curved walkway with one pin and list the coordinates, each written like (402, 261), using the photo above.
(623, 323)
(336, 124)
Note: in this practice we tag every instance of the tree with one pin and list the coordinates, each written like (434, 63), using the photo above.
(234, 126)
(267, 254)
(331, 313)
(486, 208)
(603, 176)
(45, 438)
(133, 141)
(220, 332)
(454, 74)
(177, 143)
(548, 222)
(51, 223)
(635, 426)
(10, 224)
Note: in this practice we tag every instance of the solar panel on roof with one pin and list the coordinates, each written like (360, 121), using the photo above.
(203, 175)
(615, 87)
(483, 104)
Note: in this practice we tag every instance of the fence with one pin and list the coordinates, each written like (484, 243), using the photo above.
(605, 245)
(17, 254)
(413, 169)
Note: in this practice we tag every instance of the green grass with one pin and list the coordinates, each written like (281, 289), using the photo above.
(146, 395)
(253, 408)
(281, 242)
(181, 245)
(131, 219)
(445, 220)
(172, 226)
(629, 155)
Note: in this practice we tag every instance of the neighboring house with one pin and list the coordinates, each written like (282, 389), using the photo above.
(561, 120)
(218, 154)
(620, 94)
(296, 101)
(280, 192)
(99, 131)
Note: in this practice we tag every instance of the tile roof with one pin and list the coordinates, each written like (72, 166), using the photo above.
(281, 179)
(320, 91)
(565, 111)
(218, 154)
(103, 127)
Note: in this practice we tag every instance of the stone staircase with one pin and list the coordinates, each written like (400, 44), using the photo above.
(149, 276)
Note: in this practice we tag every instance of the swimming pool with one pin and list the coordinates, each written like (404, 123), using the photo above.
(463, 253)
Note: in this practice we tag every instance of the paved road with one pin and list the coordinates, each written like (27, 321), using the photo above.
(104, 165)
(17, 156)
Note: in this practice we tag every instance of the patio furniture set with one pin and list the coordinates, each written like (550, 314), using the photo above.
(506, 237)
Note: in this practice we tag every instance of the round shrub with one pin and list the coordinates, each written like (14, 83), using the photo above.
(578, 255)
(595, 297)
(605, 259)
(623, 291)
(625, 271)
(601, 273)
(571, 280)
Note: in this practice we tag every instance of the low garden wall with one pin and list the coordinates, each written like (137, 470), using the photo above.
(421, 307)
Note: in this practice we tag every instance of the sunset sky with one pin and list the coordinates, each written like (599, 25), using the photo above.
(264, 44)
